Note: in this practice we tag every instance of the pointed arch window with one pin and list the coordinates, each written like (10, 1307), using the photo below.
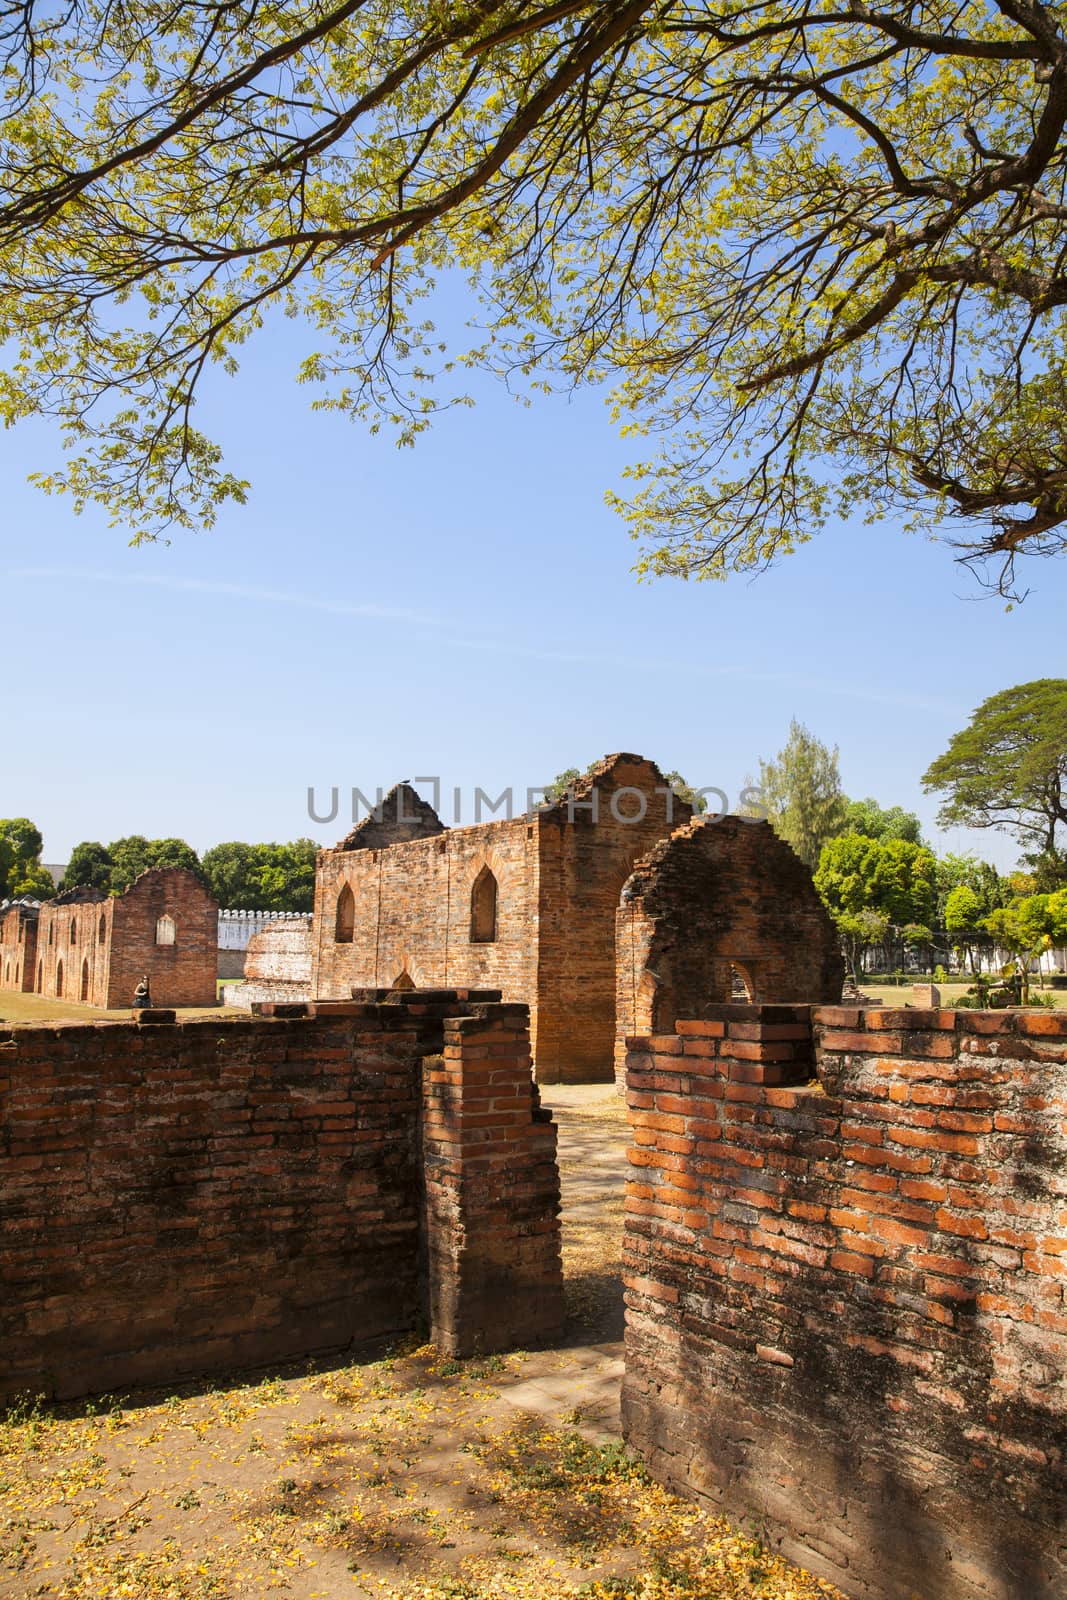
(165, 930)
(101, 929)
(59, 980)
(85, 980)
(483, 908)
(345, 919)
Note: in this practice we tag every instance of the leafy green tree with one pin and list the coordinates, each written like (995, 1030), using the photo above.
(818, 249)
(963, 914)
(24, 837)
(557, 789)
(895, 878)
(686, 792)
(860, 930)
(90, 866)
(1049, 870)
(262, 877)
(20, 848)
(7, 863)
(1008, 767)
(33, 881)
(966, 871)
(801, 789)
(877, 822)
(229, 871)
(135, 854)
(1023, 929)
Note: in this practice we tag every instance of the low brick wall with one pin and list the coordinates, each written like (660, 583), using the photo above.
(846, 1293)
(179, 1199)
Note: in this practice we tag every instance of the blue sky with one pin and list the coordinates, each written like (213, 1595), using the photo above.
(464, 609)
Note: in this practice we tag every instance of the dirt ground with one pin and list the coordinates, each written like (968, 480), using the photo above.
(406, 1477)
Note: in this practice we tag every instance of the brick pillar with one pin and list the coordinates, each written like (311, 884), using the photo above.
(491, 1206)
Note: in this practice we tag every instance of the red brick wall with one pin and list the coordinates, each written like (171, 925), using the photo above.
(18, 949)
(181, 974)
(180, 1199)
(845, 1296)
(104, 944)
(714, 896)
(558, 880)
(492, 1190)
(413, 909)
(584, 863)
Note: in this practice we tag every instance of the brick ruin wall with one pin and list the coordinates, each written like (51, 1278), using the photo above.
(621, 810)
(183, 1198)
(18, 948)
(713, 898)
(558, 876)
(846, 1310)
(413, 914)
(93, 948)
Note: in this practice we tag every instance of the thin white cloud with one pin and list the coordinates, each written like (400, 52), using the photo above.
(490, 642)
(236, 591)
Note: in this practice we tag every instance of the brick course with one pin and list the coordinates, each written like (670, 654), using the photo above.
(182, 1198)
(845, 1295)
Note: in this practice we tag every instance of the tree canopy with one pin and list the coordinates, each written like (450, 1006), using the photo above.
(893, 877)
(21, 872)
(1008, 767)
(801, 789)
(881, 822)
(818, 247)
(262, 877)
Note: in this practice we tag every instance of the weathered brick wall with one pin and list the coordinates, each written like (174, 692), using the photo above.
(413, 914)
(845, 1301)
(492, 1190)
(280, 953)
(18, 948)
(586, 854)
(73, 947)
(181, 974)
(713, 897)
(558, 874)
(93, 948)
(183, 1198)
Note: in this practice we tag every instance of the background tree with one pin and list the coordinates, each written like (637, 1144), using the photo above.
(262, 877)
(7, 861)
(135, 854)
(859, 931)
(90, 867)
(1022, 928)
(877, 822)
(894, 878)
(963, 915)
(20, 847)
(802, 792)
(819, 249)
(1008, 767)
(966, 871)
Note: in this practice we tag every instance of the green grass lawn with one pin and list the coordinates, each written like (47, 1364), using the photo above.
(38, 1008)
(901, 995)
